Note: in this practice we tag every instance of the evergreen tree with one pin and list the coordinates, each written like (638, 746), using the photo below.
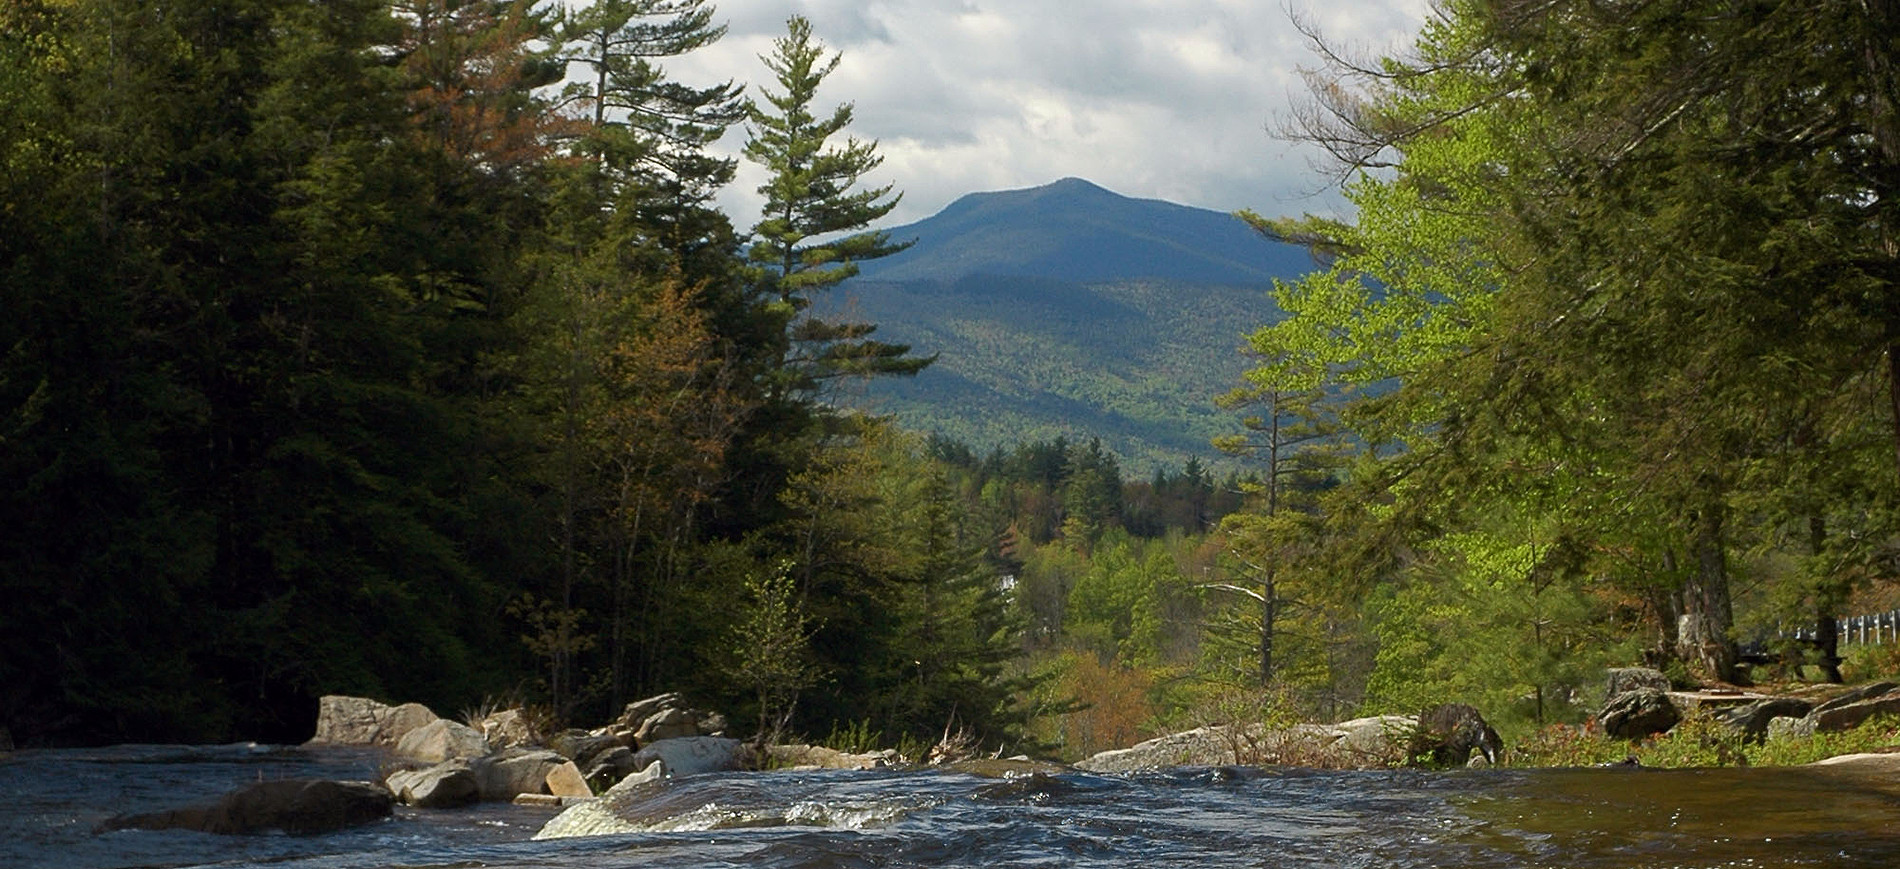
(653, 128)
(1296, 435)
(813, 231)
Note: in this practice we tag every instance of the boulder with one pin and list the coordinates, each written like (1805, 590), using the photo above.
(297, 806)
(692, 755)
(566, 781)
(667, 724)
(581, 746)
(1882, 766)
(639, 711)
(819, 757)
(1622, 680)
(603, 815)
(1363, 742)
(1636, 714)
(361, 721)
(1752, 720)
(1836, 715)
(509, 728)
(1789, 728)
(610, 766)
(441, 740)
(667, 717)
(1864, 692)
(1447, 734)
(1204, 746)
(507, 774)
(447, 785)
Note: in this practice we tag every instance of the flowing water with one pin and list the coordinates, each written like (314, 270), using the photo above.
(53, 802)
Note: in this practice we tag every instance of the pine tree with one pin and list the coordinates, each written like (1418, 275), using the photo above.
(813, 231)
(1296, 434)
(647, 126)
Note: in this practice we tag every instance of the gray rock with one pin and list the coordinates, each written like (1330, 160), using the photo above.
(820, 757)
(1622, 680)
(509, 728)
(1362, 742)
(1752, 720)
(447, 785)
(1636, 714)
(1790, 728)
(1205, 746)
(1864, 692)
(581, 746)
(296, 806)
(667, 724)
(361, 721)
(693, 755)
(441, 740)
(607, 814)
(639, 711)
(1833, 717)
(610, 766)
(508, 774)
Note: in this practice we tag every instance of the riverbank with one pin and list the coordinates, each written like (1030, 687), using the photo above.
(1670, 729)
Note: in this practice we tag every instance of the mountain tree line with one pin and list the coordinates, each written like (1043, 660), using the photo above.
(397, 349)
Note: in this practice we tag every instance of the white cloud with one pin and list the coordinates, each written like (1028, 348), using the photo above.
(1168, 99)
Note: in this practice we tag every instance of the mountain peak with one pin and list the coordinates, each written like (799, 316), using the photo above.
(1075, 230)
(1074, 185)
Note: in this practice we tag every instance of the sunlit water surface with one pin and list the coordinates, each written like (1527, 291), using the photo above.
(53, 802)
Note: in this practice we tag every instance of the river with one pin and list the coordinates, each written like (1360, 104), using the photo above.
(52, 803)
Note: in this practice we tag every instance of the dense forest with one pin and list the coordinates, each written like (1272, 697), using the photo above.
(397, 349)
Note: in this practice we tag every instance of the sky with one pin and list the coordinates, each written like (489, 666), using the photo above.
(1160, 99)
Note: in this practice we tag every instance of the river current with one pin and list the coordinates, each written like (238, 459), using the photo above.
(53, 802)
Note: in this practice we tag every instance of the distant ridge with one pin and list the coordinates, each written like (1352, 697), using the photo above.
(1069, 310)
(1073, 230)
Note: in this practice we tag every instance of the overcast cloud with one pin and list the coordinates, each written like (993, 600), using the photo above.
(1164, 99)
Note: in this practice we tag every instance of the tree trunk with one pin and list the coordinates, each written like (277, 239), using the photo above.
(1269, 610)
(1703, 631)
(1828, 597)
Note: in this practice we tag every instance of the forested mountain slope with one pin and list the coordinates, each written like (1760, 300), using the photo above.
(1068, 309)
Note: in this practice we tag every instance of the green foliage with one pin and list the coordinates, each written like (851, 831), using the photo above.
(770, 648)
(813, 231)
(1133, 362)
(1698, 742)
(335, 370)
(1880, 734)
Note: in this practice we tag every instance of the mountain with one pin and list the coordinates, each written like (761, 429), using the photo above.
(1074, 231)
(1071, 310)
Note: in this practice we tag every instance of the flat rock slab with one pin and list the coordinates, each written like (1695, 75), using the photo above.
(1689, 701)
(296, 806)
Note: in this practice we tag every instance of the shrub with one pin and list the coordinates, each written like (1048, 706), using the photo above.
(1874, 734)
(1564, 745)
